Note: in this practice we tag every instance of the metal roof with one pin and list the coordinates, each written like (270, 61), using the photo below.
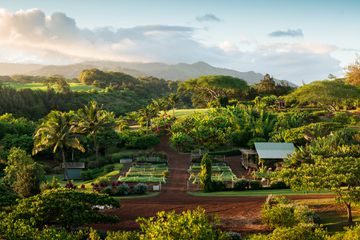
(272, 150)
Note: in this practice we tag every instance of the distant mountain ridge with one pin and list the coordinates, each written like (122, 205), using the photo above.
(180, 71)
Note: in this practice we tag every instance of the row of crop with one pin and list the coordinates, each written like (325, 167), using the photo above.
(220, 172)
(146, 173)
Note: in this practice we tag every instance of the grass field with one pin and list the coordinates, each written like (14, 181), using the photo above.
(76, 87)
(179, 113)
(253, 193)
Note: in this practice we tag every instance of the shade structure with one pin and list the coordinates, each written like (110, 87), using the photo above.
(272, 150)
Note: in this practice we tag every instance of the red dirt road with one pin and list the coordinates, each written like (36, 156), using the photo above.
(240, 214)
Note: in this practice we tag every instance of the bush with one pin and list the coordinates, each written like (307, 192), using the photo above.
(63, 208)
(122, 235)
(278, 185)
(140, 188)
(122, 190)
(255, 185)
(107, 190)
(54, 184)
(7, 196)
(109, 168)
(194, 225)
(280, 212)
(233, 236)
(142, 141)
(218, 186)
(242, 184)
(298, 232)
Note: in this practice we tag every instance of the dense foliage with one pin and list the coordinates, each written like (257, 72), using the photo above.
(327, 94)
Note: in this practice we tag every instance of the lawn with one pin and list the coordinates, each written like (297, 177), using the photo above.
(181, 113)
(134, 196)
(253, 193)
(76, 87)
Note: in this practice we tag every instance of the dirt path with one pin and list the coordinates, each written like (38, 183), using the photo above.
(240, 214)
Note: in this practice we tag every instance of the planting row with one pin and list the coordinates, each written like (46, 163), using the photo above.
(146, 173)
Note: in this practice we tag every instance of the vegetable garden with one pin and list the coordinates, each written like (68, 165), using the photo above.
(220, 172)
(146, 173)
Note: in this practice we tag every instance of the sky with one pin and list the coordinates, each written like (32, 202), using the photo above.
(300, 41)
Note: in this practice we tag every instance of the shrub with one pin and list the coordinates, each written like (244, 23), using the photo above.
(142, 141)
(233, 236)
(107, 190)
(218, 186)
(140, 188)
(280, 212)
(109, 168)
(255, 185)
(194, 225)
(241, 184)
(278, 185)
(7, 196)
(54, 184)
(63, 208)
(103, 182)
(182, 141)
(122, 235)
(122, 190)
(298, 232)
(70, 185)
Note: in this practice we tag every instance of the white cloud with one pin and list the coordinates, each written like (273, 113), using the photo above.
(31, 36)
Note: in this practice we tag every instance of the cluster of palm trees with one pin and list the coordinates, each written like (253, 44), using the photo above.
(152, 110)
(63, 130)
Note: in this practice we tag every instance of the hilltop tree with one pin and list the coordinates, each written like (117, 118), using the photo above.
(57, 132)
(328, 94)
(267, 84)
(214, 88)
(353, 73)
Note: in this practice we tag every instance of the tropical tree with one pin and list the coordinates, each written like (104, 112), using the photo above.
(353, 73)
(57, 132)
(92, 120)
(214, 88)
(173, 98)
(327, 94)
(22, 173)
(145, 115)
(332, 163)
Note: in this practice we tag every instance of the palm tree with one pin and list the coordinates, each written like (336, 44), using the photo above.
(146, 114)
(173, 98)
(57, 132)
(92, 120)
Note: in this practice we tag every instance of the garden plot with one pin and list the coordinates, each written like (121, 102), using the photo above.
(146, 173)
(221, 172)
